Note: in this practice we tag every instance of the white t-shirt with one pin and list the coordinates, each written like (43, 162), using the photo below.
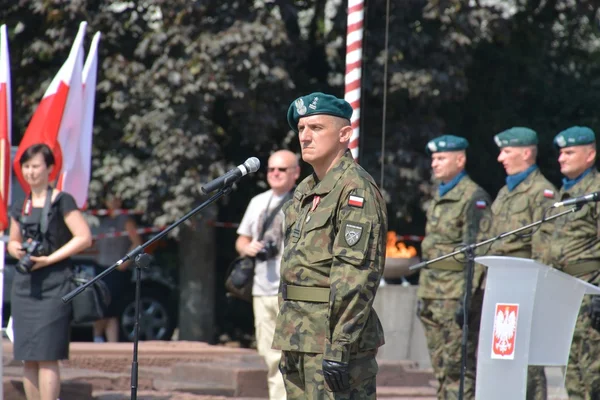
(266, 273)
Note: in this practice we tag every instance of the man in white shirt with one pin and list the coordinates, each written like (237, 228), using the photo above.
(282, 173)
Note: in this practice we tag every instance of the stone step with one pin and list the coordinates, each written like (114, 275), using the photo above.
(245, 375)
(406, 392)
(402, 373)
(198, 388)
(69, 390)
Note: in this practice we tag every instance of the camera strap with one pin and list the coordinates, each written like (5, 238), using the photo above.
(45, 212)
(43, 224)
(271, 217)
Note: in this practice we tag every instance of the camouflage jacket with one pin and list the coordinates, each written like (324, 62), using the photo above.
(319, 252)
(576, 235)
(452, 221)
(523, 205)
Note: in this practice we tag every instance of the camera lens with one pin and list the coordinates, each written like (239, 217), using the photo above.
(25, 264)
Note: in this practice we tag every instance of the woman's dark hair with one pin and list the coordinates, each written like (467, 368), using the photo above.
(42, 149)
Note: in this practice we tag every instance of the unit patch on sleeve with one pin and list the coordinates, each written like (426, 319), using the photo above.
(352, 234)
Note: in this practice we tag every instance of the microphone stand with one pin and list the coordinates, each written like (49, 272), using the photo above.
(142, 260)
(469, 252)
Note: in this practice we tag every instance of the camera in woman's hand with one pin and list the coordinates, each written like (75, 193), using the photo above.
(31, 248)
(269, 251)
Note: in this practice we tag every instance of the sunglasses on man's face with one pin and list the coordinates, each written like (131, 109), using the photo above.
(280, 169)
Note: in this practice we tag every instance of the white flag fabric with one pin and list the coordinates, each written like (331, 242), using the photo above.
(57, 119)
(70, 129)
(75, 178)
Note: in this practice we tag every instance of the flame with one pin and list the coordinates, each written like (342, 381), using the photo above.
(397, 249)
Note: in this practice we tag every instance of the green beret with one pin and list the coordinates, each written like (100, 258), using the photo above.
(575, 136)
(317, 103)
(446, 143)
(515, 137)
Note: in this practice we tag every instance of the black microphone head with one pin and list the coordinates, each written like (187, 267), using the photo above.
(253, 164)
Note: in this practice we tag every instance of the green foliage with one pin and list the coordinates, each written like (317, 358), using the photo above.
(187, 89)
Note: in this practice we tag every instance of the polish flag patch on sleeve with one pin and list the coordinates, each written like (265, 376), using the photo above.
(549, 194)
(481, 204)
(356, 201)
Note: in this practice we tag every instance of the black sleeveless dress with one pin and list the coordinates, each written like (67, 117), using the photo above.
(41, 321)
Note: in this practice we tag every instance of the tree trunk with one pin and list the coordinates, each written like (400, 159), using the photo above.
(197, 281)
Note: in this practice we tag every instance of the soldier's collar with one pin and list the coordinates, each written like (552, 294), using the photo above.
(580, 185)
(456, 193)
(523, 179)
(333, 175)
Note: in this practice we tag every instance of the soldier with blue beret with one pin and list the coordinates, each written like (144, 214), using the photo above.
(576, 251)
(453, 219)
(523, 200)
(334, 254)
(446, 143)
(318, 104)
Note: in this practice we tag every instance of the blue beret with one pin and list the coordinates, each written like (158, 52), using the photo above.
(317, 103)
(575, 136)
(517, 136)
(446, 143)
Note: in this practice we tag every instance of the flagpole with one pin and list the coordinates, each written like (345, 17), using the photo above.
(354, 39)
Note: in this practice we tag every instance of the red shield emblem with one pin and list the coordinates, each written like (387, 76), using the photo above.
(505, 331)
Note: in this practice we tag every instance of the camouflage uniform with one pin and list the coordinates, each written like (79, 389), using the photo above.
(523, 205)
(452, 220)
(576, 250)
(332, 264)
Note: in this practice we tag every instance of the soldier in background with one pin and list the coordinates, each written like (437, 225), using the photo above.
(523, 200)
(452, 221)
(575, 250)
(334, 254)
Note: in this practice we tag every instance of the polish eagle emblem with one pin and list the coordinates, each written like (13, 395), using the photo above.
(505, 327)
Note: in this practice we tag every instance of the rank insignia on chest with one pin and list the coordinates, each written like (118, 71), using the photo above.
(481, 204)
(352, 234)
(356, 201)
(549, 194)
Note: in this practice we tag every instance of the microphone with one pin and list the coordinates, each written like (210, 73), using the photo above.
(250, 165)
(577, 201)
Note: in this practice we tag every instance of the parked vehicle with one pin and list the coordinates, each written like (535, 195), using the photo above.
(158, 301)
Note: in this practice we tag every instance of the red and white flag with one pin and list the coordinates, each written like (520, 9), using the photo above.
(5, 128)
(57, 120)
(75, 175)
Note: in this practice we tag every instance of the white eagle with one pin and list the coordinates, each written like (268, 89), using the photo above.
(505, 327)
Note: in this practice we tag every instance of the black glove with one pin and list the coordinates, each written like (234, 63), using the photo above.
(459, 315)
(594, 312)
(337, 375)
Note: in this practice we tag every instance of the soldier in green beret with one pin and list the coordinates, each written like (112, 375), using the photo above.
(334, 254)
(523, 200)
(453, 218)
(575, 250)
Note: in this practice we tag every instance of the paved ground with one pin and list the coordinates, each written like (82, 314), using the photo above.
(180, 370)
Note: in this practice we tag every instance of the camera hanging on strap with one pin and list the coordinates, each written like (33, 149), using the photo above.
(33, 245)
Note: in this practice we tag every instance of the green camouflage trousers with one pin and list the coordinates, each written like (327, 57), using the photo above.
(583, 371)
(537, 387)
(303, 377)
(444, 338)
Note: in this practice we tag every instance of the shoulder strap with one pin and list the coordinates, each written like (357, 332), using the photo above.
(45, 211)
(272, 215)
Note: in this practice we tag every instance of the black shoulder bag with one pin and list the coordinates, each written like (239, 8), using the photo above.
(240, 274)
(91, 304)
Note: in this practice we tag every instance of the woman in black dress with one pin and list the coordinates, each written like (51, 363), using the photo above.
(40, 319)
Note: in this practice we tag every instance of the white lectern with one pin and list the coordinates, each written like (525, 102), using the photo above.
(528, 317)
